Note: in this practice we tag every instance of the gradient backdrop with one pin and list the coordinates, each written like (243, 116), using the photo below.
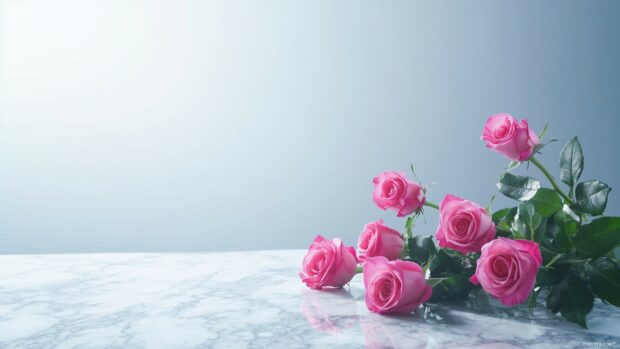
(222, 125)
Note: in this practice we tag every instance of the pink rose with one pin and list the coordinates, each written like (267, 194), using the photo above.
(394, 286)
(328, 263)
(503, 134)
(378, 240)
(395, 191)
(463, 225)
(507, 269)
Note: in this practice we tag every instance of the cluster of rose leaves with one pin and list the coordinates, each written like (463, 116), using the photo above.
(552, 243)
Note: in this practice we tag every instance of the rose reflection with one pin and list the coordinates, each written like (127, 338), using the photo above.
(493, 345)
(329, 311)
(394, 332)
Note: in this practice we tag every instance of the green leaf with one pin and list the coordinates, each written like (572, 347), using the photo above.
(456, 269)
(512, 165)
(539, 232)
(537, 148)
(503, 218)
(563, 230)
(408, 234)
(566, 222)
(408, 229)
(519, 228)
(566, 209)
(443, 262)
(559, 237)
(421, 248)
(526, 221)
(549, 276)
(547, 202)
(605, 279)
(518, 187)
(571, 162)
(591, 197)
(500, 215)
(542, 133)
(598, 237)
(454, 286)
(427, 265)
(578, 302)
(488, 206)
(572, 298)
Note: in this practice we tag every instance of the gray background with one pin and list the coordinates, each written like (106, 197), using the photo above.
(224, 125)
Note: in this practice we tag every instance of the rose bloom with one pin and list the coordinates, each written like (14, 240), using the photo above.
(395, 191)
(397, 287)
(505, 135)
(328, 263)
(507, 269)
(378, 240)
(463, 225)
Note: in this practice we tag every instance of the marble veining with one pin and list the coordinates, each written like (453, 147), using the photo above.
(246, 300)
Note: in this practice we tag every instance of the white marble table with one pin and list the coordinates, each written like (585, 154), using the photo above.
(241, 300)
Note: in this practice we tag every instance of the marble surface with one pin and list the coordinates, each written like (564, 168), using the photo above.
(245, 300)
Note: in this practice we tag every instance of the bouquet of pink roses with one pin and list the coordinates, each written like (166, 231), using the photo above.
(554, 242)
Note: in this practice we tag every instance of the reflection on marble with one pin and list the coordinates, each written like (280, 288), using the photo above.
(245, 300)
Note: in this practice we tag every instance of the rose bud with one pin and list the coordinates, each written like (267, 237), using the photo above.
(463, 225)
(378, 240)
(394, 287)
(395, 191)
(328, 263)
(507, 269)
(506, 136)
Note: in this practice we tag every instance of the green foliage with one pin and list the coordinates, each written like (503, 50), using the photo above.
(549, 276)
(572, 298)
(566, 223)
(421, 249)
(591, 197)
(503, 220)
(408, 234)
(605, 279)
(512, 165)
(539, 147)
(455, 269)
(547, 202)
(598, 237)
(518, 187)
(542, 133)
(449, 270)
(454, 287)
(526, 221)
(578, 259)
(561, 229)
(571, 162)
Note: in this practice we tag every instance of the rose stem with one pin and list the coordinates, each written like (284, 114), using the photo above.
(558, 256)
(431, 204)
(551, 179)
